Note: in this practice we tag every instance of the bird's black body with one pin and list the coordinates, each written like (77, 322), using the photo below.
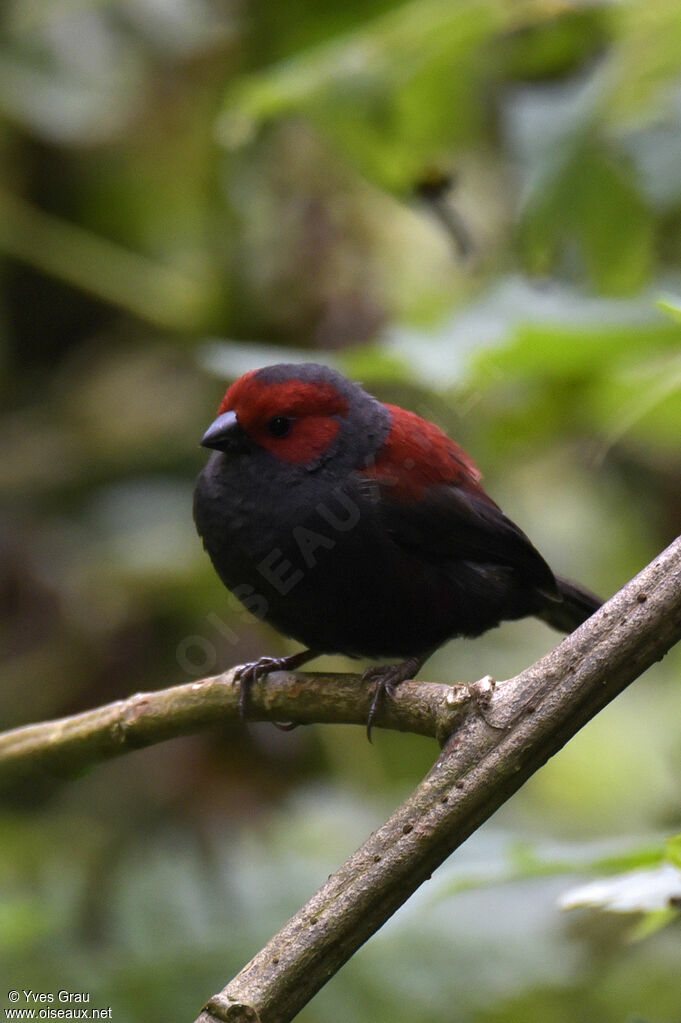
(382, 544)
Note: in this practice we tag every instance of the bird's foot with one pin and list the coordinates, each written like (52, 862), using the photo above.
(254, 671)
(386, 679)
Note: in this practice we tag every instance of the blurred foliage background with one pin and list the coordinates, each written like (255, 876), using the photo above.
(190, 188)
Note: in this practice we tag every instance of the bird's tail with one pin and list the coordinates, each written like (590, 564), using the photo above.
(576, 606)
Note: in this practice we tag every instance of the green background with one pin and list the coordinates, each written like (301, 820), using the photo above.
(189, 189)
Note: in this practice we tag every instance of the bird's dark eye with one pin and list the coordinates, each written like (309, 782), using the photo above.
(279, 426)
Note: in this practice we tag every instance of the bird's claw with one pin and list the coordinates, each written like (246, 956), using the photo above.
(387, 678)
(255, 671)
(248, 674)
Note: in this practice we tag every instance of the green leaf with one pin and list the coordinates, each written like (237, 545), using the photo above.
(590, 198)
(389, 94)
(673, 850)
(553, 46)
(671, 305)
(651, 923)
(614, 225)
(648, 54)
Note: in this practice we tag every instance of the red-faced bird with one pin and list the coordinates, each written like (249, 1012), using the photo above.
(359, 528)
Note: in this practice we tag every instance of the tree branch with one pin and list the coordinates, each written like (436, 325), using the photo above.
(68, 744)
(524, 721)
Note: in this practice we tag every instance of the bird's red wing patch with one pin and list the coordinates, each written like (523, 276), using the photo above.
(417, 454)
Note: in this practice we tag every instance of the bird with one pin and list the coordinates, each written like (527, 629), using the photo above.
(359, 528)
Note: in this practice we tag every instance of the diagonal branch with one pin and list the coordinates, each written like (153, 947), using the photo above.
(524, 721)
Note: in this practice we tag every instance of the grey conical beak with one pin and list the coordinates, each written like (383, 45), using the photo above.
(223, 433)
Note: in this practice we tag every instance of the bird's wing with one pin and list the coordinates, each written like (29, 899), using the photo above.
(427, 492)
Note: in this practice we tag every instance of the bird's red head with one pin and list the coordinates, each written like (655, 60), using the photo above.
(295, 419)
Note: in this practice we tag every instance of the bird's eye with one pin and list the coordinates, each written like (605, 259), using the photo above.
(279, 426)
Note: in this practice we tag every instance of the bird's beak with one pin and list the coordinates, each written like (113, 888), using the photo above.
(224, 433)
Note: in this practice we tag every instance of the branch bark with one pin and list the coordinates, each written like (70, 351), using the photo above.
(524, 721)
(65, 746)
